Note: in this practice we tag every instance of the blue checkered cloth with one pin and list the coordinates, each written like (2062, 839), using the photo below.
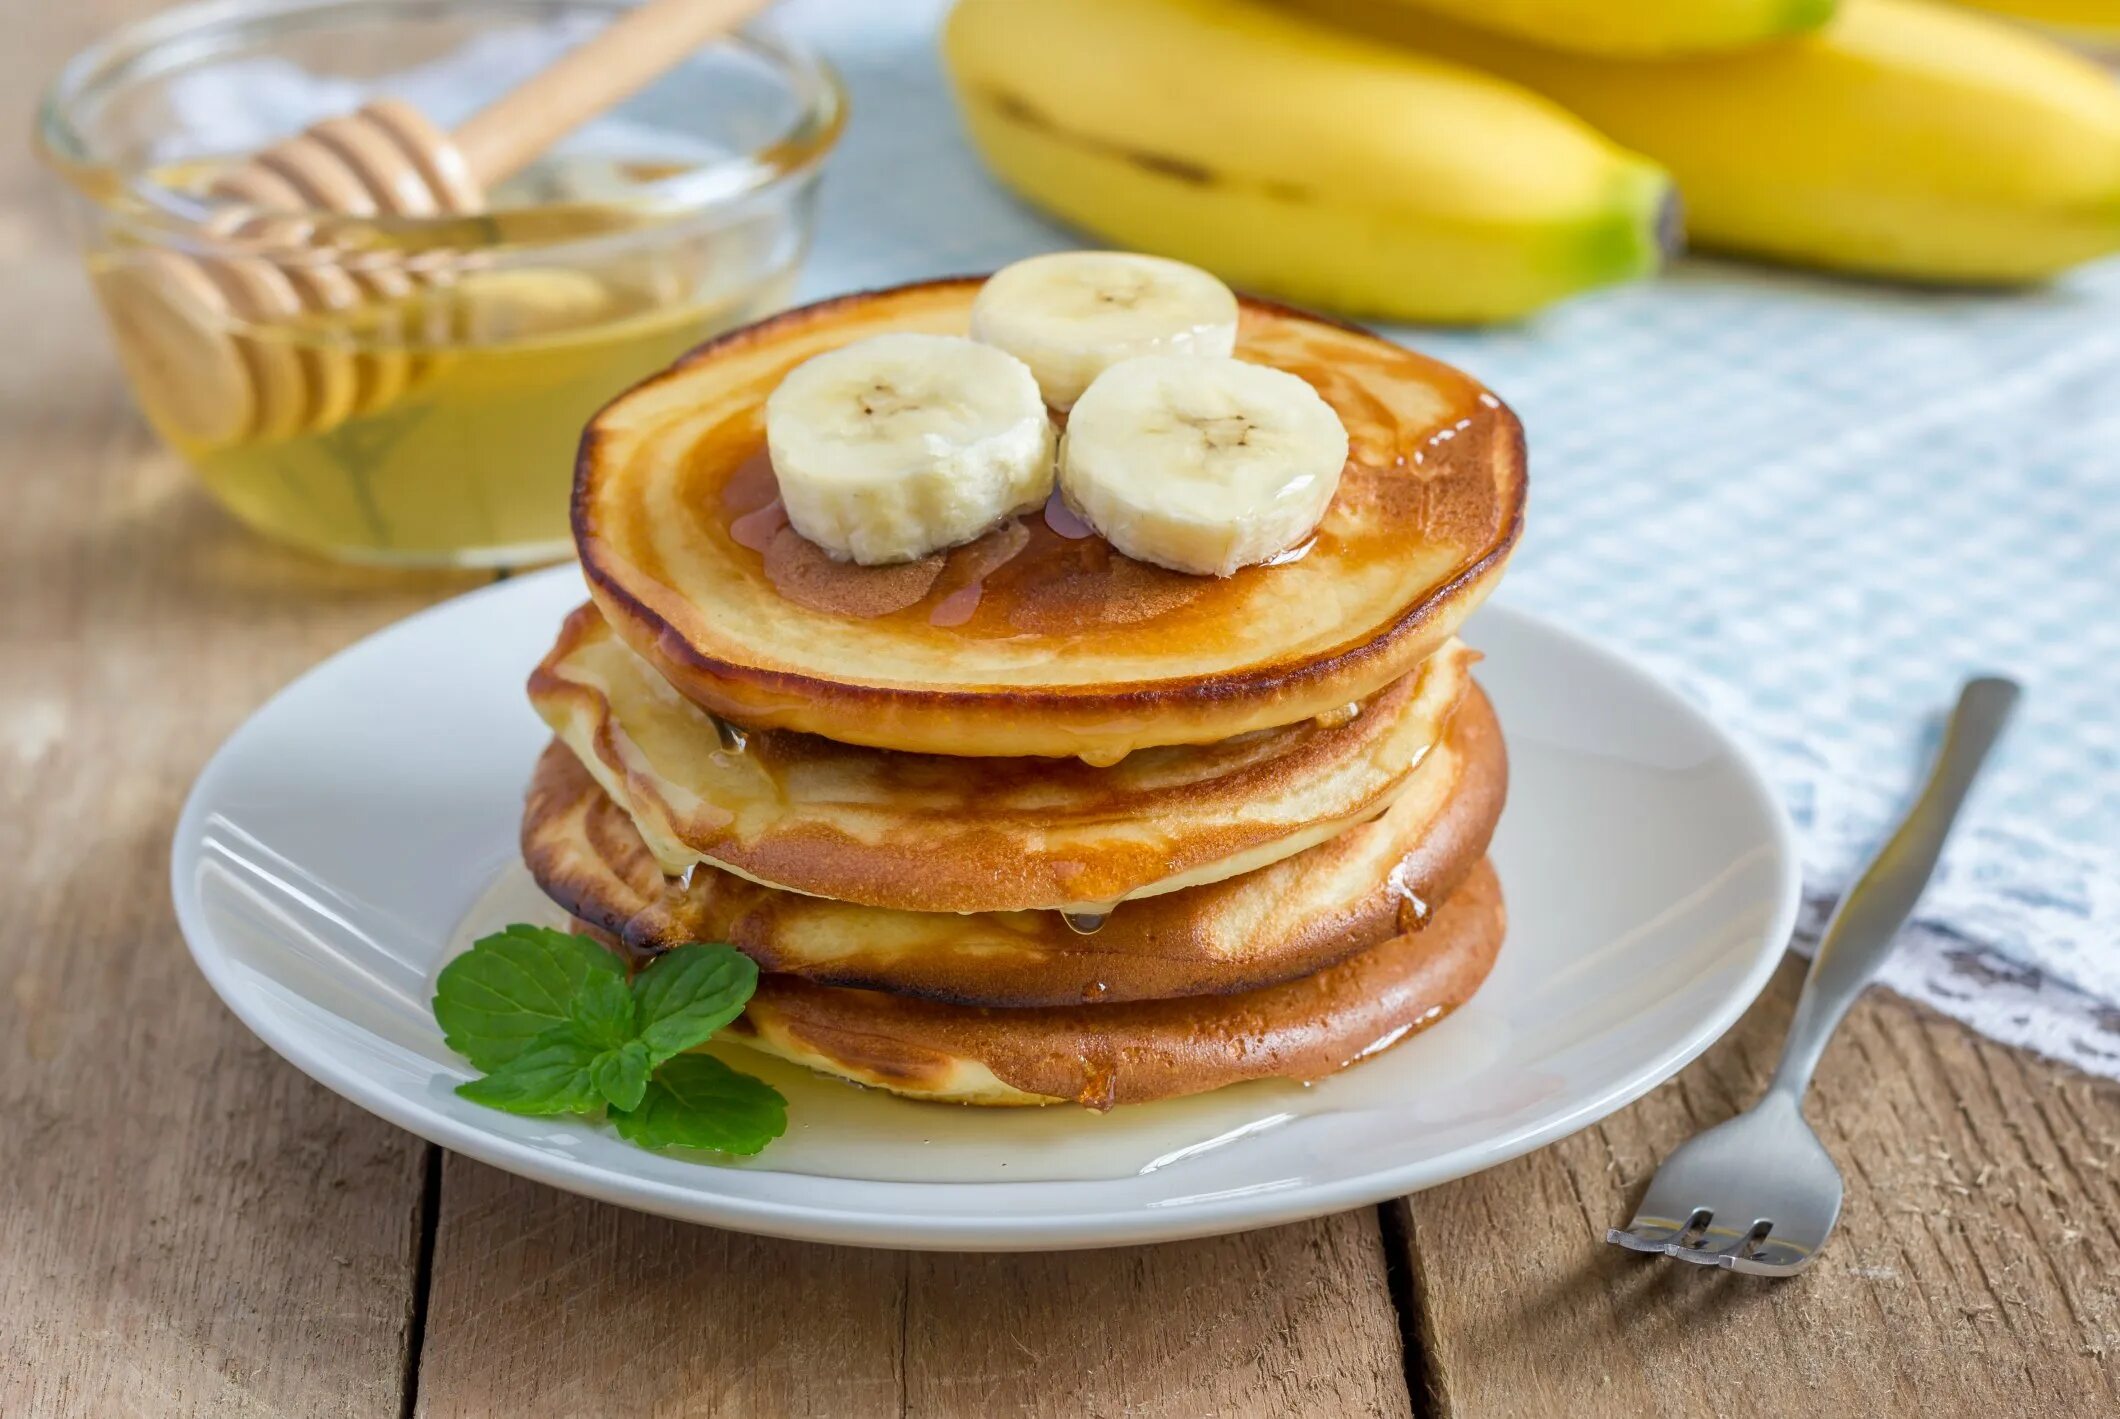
(1812, 505)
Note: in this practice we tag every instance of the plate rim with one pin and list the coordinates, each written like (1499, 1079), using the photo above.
(1039, 1231)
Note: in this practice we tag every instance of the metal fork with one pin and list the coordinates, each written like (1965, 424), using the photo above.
(1759, 1193)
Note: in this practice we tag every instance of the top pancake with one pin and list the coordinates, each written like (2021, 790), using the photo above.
(1032, 641)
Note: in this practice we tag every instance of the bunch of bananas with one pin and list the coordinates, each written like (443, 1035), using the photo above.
(1471, 160)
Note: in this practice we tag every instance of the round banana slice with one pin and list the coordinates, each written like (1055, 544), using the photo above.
(900, 445)
(1201, 465)
(1073, 314)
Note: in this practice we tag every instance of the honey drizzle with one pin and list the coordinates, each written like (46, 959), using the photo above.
(757, 528)
(1066, 581)
(978, 561)
(1064, 522)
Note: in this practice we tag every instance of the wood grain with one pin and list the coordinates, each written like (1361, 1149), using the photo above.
(187, 1225)
(1295, 1320)
(1976, 1269)
(548, 1305)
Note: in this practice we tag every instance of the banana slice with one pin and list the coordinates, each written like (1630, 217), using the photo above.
(1201, 465)
(1073, 314)
(900, 445)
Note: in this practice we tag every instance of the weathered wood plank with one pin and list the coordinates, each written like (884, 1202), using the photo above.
(1297, 1320)
(547, 1304)
(544, 1303)
(1976, 1270)
(187, 1226)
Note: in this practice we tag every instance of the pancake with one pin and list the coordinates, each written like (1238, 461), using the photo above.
(1104, 1055)
(1294, 917)
(926, 832)
(1038, 639)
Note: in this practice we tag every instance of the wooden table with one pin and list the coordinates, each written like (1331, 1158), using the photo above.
(190, 1227)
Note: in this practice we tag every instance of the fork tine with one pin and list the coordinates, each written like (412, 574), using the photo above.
(1776, 1257)
(1753, 1242)
(1632, 1240)
(1646, 1232)
(1755, 1250)
(1742, 1247)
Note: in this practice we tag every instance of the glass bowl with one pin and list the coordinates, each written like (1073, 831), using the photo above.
(411, 390)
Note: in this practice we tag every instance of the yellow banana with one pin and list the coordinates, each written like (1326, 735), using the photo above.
(1291, 159)
(1644, 27)
(1904, 139)
(2094, 19)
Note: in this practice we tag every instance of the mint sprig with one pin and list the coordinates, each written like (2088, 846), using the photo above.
(556, 1075)
(697, 1101)
(496, 999)
(685, 995)
(555, 1027)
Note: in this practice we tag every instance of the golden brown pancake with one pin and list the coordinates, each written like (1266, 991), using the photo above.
(1296, 916)
(927, 832)
(1103, 1055)
(1037, 639)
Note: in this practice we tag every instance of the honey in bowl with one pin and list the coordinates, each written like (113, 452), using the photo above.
(371, 267)
(437, 425)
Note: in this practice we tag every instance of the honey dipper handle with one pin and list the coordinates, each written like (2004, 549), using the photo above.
(630, 53)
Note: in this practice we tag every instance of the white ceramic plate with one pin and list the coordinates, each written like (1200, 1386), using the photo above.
(365, 820)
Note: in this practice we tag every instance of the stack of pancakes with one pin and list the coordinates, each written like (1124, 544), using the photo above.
(1029, 821)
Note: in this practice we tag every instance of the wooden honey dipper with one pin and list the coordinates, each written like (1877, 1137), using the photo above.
(174, 311)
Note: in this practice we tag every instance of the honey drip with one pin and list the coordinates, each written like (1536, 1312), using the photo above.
(1345, 714)
(1100, 1087)
(1413, 908)
(734, 738)
(1064, 522)
(1085, 923)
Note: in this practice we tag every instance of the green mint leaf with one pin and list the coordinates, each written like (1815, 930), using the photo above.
(696, 1101)
(602, 1011)
(511, 988)
(621, 1075)
(555, 1075)
(686, 994)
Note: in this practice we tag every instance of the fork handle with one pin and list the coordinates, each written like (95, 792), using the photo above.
(1860, 934)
